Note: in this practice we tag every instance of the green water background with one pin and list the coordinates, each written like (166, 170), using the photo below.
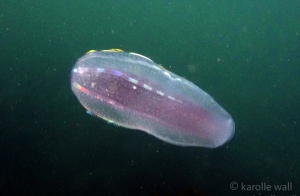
(246, 54)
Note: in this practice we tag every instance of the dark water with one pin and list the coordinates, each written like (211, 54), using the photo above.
(245, 54)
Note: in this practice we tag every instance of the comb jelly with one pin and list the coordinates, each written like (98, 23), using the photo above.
(132, 91)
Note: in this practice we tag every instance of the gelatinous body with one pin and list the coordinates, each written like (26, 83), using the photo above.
(134, 92)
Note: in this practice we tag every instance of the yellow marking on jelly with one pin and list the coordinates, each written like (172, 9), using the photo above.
(110, 121)
(140, 56)
(165, 69)
(76, 85)
(91, 51)
(112, 50)
(161, 66)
